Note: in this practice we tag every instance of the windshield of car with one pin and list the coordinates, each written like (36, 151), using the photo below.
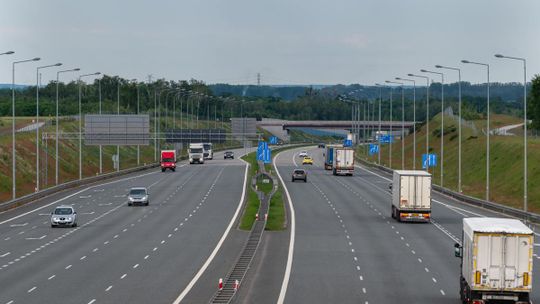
(303, 152)
(207, 146)
(307, 157)
(196, 150)
(298, 171)
(63, 211)
(168, 160)
(137, 192)
(228, 153)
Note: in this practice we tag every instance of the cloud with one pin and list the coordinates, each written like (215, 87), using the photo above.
(356, 40)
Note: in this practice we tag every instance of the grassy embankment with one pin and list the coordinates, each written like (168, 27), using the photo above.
(506, 157)
(68, 155)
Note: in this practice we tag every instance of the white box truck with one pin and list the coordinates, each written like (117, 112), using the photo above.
(496, 260)
(411, 196)
(343, 161)
(208, 152)
(196, 153)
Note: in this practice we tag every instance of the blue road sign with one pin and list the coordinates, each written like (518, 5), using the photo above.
(429, 160)
(347, 143)
(273, 140)
(386, 139)
(261, 149)
(267, 157)
(373, 149)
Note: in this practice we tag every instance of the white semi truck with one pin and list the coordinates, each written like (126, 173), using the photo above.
(496, 261)
(411, 196)
(343, 161)
(196, 153)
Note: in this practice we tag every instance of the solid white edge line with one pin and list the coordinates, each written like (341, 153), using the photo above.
(288, 267)
(219, 244)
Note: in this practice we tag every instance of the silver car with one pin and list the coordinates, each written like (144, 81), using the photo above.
(138, 195)
(64, 215)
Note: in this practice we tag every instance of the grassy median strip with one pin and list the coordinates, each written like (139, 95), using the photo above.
(252, 204)
(276, 213)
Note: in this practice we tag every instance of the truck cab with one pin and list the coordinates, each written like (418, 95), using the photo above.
(196, 153)
(168, 160)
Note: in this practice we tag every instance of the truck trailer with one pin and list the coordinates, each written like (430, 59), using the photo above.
(496, 261)
(329, 156)
(208, 151)
(411, 196)
(168, 160)
(343, 161)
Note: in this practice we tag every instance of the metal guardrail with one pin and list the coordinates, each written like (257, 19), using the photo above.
(511, 211)
(29, 198)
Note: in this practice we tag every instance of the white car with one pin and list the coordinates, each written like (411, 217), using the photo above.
(302, 154)
(64, 215)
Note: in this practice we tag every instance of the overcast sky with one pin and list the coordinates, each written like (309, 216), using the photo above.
(287, 41)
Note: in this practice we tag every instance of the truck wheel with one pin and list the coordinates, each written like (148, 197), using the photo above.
(393, 212)
(292, 180)
(305, 180)
(173, 169)
(162, 169)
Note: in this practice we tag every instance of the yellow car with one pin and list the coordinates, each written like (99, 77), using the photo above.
(307, 161)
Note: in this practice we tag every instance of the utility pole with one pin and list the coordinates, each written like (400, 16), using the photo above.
(258, 79)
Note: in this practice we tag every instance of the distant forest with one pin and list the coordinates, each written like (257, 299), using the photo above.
(226, 101)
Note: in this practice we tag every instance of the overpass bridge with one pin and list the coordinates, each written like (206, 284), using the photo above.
(280, 128)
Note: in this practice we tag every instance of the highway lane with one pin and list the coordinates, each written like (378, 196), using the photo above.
(388, 262)
(121, 254)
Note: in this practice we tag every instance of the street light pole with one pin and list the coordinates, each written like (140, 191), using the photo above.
(57, 122)
(488, 135)
(80, 123)
(427, 116)
(379, 134)
(414, 117)
(13, 162)
(442, 120)
(525, 175)
(118, 113)
(459, 124)
(37, 120)
(100, 147)
(138, 101)
(402, 123)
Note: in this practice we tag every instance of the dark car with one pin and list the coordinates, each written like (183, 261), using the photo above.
(300, 174)
(321, 145)
(228, 154)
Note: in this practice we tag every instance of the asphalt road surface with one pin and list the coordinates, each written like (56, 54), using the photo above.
(348, 249)
(121, 254)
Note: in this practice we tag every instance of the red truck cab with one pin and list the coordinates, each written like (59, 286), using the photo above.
(168, 160)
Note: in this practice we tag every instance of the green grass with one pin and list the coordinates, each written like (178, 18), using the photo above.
(251, 209)
(276, 214)
(506, 157)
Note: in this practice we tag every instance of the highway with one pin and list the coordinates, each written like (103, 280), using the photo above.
(347, 248)
(121, 254)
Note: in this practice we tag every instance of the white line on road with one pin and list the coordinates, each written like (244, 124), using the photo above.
(109, 288)
(92, 302)
(290, 255)
(17, 225)
(51, 277)
(37, 238)
(5, 254)
(32, 289)
(219, 244)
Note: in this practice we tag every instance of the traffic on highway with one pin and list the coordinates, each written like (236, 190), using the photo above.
(270, 152)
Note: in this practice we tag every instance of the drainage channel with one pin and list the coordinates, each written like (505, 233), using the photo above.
(238, 272)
